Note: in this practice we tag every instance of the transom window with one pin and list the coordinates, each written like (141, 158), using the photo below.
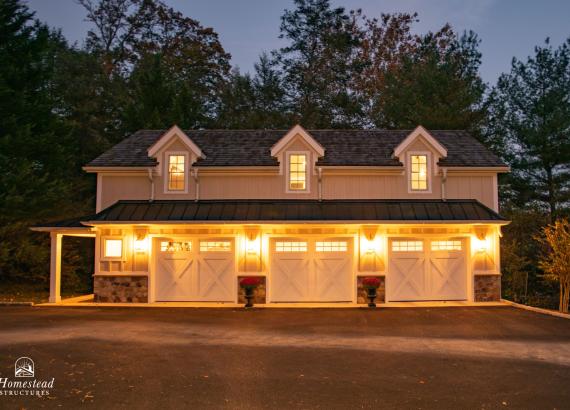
(215, 246)
(290, 246)
(176, 174)
(407, 246)
(453, 245)
(332, 246)
(171, 246)
(298, 172)
(418, 173)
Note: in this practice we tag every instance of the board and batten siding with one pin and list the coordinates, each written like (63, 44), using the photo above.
(479, 187)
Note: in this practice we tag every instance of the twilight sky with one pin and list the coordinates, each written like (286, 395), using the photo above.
(507, 28)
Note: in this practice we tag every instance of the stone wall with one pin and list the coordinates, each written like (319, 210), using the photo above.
(487, 288)
(361, 291)
(121, 289)
(258, 294)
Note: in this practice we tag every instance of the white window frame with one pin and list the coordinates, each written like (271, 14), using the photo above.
(428, 172)
(104, 239)
(166, 173)
(307, 189)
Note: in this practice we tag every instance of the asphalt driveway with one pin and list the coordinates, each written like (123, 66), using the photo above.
(355, 358)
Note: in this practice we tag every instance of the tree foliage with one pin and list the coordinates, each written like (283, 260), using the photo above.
(556, 261)
(529, 124)
(146, 65)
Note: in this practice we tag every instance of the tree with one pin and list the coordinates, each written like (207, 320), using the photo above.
(145, 41)
(318, 63)
(556, 262)
(34, 141)
(529, 124)
(436, 83)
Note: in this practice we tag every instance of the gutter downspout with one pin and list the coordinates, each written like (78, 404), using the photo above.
(197, 182)
(320, 179)
(151, 179)
(443, 181)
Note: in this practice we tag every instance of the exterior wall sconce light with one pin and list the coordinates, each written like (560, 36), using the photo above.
(141, 242)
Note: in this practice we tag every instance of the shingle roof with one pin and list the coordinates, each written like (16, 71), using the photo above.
(295, 210)
(342, 147)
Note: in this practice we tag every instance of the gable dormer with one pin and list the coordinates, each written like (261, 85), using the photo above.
(175, 153)
(420, 153)
(297, 152)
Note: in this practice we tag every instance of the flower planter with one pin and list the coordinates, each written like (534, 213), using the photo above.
(371, 285)
(249, 285)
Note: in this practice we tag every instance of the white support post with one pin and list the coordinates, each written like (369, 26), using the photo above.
(55, 268)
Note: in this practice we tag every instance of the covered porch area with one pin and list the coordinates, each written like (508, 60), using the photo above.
(57, 231)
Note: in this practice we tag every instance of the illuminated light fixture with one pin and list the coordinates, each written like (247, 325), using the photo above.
(481, 244)
(370, 243)
(252, 241)
(141, 242)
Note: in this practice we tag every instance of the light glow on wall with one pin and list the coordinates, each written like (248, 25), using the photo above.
(141, 245)
(481, 245)
(371, 246)
(252, 245)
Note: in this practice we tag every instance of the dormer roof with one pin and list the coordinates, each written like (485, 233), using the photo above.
(173, 133)
(297, 131)
(420, 132)
(221, 148)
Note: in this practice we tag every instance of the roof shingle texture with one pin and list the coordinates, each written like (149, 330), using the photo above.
(342, 147)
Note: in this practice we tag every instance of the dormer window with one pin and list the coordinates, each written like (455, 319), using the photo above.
(297, 172)
(176, 175)
(418, 172)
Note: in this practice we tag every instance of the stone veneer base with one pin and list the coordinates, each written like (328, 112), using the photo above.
(487, 288)
(120, 289)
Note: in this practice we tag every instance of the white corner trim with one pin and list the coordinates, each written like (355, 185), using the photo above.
(429, 171)
(173, 132)
(99, 193)
(495, 193)
(186, 171)
(297, 130)
(308, 174)
(420, 132)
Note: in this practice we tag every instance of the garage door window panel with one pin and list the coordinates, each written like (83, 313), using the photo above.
(290, 246)
(332, 246)
(215, 246)
(407, 246)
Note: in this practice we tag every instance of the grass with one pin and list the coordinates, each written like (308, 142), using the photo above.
(24, 292)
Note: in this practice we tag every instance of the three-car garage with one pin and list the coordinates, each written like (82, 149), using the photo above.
(310, 269)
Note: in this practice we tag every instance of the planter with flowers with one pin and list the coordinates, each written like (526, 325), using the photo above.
(249, 284)
(371, 284)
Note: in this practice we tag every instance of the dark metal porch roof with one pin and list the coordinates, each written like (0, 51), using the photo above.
(277, 211)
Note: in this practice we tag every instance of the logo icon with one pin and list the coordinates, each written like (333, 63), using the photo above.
(24, 367)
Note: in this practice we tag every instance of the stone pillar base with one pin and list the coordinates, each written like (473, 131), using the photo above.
(120, 289)
(487, 288)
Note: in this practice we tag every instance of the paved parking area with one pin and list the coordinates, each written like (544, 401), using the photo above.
(488, 357)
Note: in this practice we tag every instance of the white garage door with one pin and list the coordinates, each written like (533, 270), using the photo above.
(195, 270)
(427, 270)
(311, 270)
